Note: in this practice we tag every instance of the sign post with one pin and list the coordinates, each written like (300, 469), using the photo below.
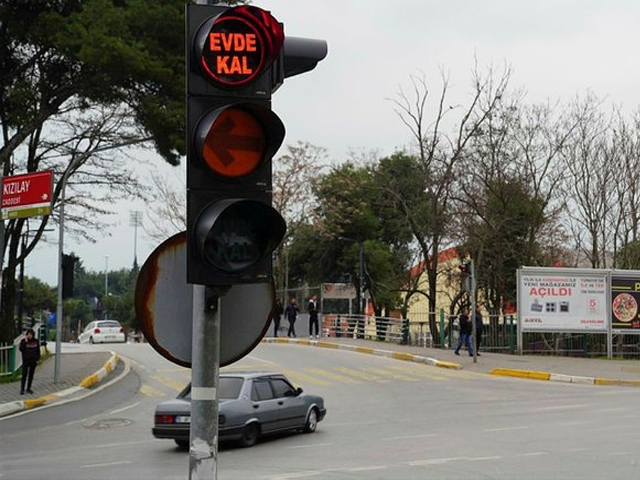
(27, 195)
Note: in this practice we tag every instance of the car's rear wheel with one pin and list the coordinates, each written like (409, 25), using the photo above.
(250, 435)
(312, 421)
(182, 443)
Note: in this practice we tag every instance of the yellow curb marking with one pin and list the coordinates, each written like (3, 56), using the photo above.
(532, 374)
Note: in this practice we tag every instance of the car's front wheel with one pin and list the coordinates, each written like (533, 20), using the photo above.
(250, 435)
(312, 421)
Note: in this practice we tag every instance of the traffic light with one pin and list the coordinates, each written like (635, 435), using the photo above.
(42, 335)
(68, 262)
(466, 269)
(232, 134)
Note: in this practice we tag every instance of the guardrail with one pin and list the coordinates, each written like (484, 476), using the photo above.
(8, 357)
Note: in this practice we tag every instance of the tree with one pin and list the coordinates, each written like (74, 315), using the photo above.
(439, 156)
(79, 81)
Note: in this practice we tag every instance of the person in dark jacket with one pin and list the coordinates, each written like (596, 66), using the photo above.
(277, 316)
(291, 312)
(479, 328)
(313, 316)
(30, 349)
(466, 329)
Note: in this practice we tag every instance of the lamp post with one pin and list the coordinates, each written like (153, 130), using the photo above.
(135, 221)
(106, 285)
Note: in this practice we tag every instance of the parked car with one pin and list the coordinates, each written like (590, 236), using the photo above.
(102, 331)
(252, 404)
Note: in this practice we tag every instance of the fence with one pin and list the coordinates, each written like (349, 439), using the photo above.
(8, 360)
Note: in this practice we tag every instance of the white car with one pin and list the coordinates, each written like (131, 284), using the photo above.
(103, 331)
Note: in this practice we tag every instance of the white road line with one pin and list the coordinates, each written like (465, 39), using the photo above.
(409, 437)
(533, 454)
(505, 429)
(564, 407)
(286, 476)
(309, 446)
(260, 360)
(99, 465)
(124, 408)
(368, 469)
(435, 461)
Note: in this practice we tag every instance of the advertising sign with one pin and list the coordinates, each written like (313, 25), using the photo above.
(625, 297)
(562, 300)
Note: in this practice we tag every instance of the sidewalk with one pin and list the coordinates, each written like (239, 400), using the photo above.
(79, 370)
(537, 367)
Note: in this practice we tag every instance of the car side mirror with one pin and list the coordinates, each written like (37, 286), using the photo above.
(298, 391)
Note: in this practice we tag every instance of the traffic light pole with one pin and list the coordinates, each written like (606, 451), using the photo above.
(205, 375)
(474, 327)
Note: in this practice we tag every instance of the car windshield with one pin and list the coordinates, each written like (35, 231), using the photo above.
(112, 324)
(228, 389)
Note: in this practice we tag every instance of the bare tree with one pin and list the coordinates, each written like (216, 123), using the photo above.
(440, 155)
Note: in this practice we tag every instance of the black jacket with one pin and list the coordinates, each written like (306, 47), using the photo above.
(465, 325)
(30, 350)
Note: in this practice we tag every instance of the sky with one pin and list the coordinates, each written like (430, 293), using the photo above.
(557, 50)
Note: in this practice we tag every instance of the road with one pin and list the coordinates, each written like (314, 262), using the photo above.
(386, 419)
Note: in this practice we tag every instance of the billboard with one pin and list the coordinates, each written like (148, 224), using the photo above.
(563, 300)
(625, 298)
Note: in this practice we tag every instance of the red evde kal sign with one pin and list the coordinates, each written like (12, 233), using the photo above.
(27, 195)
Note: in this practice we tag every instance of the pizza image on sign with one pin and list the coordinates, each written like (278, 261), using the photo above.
(625, 307)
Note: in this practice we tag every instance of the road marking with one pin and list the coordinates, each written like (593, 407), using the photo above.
(124, 409)
(395, 376)
(533, 454)
(417, 372)
(261, 360)
(100, 465)
(564, 407)
(409, 437)
(169, 382)
(333, 376)
(285, 476)
(368, 469)
(149, 391)
(309, 446)
(302, 378)
(505, 429)
(442, 461)
(361, 375)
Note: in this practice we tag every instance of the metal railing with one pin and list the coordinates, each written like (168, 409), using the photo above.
(8, 360)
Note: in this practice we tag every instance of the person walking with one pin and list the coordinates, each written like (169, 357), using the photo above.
(277, 316)
(291, 312)
(465, 332)
(312, 308)
(479, 328)
(30, 349)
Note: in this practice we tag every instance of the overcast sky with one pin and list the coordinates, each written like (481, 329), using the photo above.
(557, 49)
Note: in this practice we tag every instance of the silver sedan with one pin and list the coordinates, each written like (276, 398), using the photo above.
(252, 404)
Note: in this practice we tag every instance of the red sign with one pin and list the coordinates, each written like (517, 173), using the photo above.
(27, 195)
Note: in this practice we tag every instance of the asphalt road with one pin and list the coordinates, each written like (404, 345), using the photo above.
(386, 419)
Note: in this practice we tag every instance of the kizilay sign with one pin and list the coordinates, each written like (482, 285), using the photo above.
(563, 301)
(27, 195)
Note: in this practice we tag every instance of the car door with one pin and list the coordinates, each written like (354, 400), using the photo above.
(265, 405)
(293, 408)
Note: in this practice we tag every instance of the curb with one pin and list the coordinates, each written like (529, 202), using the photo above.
(21, 405)
(557, 377)
(407, 357)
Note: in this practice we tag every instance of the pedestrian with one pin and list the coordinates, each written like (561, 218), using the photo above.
(313, 316)
(465, 332)
(30, 349)
(277, 316)
(479, 328)
(291, 312)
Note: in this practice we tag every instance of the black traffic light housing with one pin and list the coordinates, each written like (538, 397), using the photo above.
(68, 267)
(232, 134)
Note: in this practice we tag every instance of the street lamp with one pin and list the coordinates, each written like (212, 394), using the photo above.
(106, 285)
(135, 221)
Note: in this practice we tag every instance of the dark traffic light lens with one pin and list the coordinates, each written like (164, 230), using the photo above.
(236, 234)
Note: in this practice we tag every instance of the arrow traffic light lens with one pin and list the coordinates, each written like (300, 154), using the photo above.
(234, 144)
(234, 141)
